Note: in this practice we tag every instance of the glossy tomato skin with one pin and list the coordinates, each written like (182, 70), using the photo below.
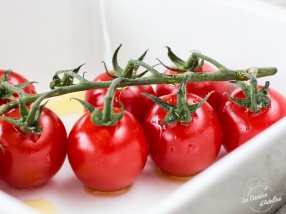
(28, 160)
(16, 79)
(183, 149)
(131, 97)
(200, 88)
(107, 158)
(240, 125)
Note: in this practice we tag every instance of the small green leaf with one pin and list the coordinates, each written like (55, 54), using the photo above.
(241, 102)
(192, 64)
(14, 121)
(23, 110)
(66, 79)
(176, 60)
(177, 69)
(254, 99)
(86, 105)
(140, 59)
(117, 69)
(24, 85)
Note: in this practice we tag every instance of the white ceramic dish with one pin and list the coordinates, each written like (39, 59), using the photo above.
(222, 188)
(67, 195)
(253, 32)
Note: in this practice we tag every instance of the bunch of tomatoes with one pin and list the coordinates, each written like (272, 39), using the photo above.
(109, 158)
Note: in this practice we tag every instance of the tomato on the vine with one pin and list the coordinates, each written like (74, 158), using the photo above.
(29, 160)
(183, 149)
(107, 158)
(130, 96)
(240, 124)
(200, 88)
(16, 79)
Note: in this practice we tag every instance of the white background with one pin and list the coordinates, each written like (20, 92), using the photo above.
(39, 37)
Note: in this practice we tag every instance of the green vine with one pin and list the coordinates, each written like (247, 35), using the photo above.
(68, 81)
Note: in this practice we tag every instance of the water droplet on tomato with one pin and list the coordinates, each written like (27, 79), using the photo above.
(174, 149)
(191, 148)
(48, 158)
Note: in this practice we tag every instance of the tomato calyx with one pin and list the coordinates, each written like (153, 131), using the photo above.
(107, 116)
(27, 123)
(192, 64)
(182, 111)
(130, 71)
(4, 92)
(255, 99)
(67, 78)
(7, 93)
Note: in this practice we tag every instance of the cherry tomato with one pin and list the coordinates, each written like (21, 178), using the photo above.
(240, 125)
(200, 88)
(29, 160)
(183, 149)
(16, 79)
(107, 158)
(130, 96)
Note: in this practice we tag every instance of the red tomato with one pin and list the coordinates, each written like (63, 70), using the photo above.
(107, 158)
(29, 160)
(130, 96)
(240, 125)
(16, 79)
(200, 88)
(183, 149)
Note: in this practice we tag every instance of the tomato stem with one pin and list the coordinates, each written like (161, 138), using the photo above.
(182, 103)
(66, 84)
(222, 74)
(107, 117)
(255, 99)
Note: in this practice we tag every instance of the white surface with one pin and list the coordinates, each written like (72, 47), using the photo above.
(38, 38)
(11, 205)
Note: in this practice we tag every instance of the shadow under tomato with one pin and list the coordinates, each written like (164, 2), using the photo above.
(164, 175)
(108, 193)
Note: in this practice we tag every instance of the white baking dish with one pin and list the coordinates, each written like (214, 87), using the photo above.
(239, 34)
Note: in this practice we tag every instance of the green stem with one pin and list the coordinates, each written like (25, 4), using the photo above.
(222, 74)
(181, 111)
(108, 101)
(182, 103)
(253, 93)
(107, 117)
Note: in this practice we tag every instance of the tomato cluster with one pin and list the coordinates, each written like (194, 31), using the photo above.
(109, 158)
